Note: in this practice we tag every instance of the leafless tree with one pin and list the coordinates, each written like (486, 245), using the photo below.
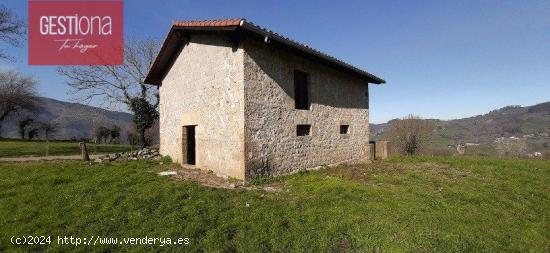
(33, 133)
(12, 30)
(23, 125)
(132, 139)
(48, 128)
(410, 134)
(16, 92)
(101, 134)
(114, 133)
(116, 85)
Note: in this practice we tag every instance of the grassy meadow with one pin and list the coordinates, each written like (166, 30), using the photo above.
(421, 204)
(17, 148)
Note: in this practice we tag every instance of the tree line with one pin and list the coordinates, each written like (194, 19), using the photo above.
(107, 135)
(29, 129)
(112, 135)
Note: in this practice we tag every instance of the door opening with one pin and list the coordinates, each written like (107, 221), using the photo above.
(189, 152)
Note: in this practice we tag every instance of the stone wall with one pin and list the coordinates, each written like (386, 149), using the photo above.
(272, 147)
(204, 87)
(218, 88)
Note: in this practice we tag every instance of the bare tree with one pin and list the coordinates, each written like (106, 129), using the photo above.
(132, 139)
(33, 133)
(102, 134)
(48, 128)
(16, 92)
(12, 30)
(22, 127)
(121, 84)
(114, 133)
(410, 134)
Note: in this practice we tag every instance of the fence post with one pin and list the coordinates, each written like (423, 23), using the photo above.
(381, 150)
(84, 152)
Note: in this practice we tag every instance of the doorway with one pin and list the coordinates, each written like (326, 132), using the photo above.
(189, 152)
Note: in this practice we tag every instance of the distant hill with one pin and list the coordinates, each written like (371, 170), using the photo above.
(531, 123)
(76, 121)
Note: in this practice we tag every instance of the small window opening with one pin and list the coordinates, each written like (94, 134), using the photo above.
(301, 93)
(344, 129)
(303, 130)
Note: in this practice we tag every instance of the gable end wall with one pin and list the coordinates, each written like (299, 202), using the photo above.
(204, 87)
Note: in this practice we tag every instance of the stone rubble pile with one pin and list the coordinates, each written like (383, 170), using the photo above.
(145, 153)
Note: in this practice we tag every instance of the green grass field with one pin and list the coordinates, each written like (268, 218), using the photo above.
(419, 204)
(15, 148)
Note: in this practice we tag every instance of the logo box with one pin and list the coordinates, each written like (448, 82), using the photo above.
(76, 32)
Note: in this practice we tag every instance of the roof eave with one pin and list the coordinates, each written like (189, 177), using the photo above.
(160, 67)
(272, 36)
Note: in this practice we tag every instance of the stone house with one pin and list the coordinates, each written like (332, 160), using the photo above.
(243, 101)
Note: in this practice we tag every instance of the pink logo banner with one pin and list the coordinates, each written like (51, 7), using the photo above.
(76, 32)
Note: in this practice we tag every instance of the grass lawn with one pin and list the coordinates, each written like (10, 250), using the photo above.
(404, 205)
(15, 148)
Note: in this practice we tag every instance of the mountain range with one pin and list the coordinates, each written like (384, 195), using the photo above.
(528, 123)
(75, 121)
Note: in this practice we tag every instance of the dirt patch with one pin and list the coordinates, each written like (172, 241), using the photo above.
(343, 244)
(362, 173)
(203, 177)
(209, 179)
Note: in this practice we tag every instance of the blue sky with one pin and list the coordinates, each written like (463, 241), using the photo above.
(441, 59)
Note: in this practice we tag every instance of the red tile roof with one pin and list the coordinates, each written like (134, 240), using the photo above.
(161, 66)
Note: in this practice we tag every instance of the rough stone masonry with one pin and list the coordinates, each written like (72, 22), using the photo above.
(245, 102)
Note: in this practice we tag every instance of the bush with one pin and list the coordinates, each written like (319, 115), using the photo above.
(410, 135)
